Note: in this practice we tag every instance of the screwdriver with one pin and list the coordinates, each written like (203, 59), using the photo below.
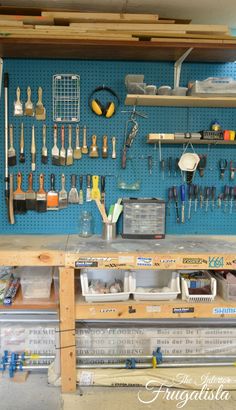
(195, 197)
(190, 198)
(163, 168)
(175, 195)
(207, 197)
(219, 200)
(170, 197)
(213, 197)
(182, 195)
(201, 196)
(235, 194)
(169, 166)
(150, 164)
(231, 195)
(226, 197)
(176, 166)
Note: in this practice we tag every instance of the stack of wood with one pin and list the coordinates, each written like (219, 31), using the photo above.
(107, 26)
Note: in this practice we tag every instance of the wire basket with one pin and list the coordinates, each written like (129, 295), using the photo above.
(198, 298)
(66, 98)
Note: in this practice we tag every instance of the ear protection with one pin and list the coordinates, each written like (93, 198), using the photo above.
(98, 108)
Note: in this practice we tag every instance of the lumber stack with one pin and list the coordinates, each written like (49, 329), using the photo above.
(107, 26)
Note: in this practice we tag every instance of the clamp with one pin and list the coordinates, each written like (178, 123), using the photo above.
(157, 357)
(130, 363)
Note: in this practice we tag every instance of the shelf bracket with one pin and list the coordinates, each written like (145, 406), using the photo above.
(178, 66)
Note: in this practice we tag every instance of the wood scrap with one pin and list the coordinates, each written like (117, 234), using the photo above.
(199, 28)
(26, 19)
(101, 17)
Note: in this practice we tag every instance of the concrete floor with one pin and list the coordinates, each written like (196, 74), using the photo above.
(36, 394)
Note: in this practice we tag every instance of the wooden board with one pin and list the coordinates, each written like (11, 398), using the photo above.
(103, 17)
(26, 19)
(67, 330)
(176, 309)
(200, 28)
(173, 252)
(179, 101)
(32, 250)
(153, 140)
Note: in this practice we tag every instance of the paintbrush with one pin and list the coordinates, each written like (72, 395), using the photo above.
(52, 196)
(81, 195)
(104, 147)
(22, 144)
(11, 200)
(73, 197)
(62, 150)
(19, 197)
(33, 150)
(88, 189)
(29, 107)
(103, 183)
(40, 111)
(11, 150)
(77, 150)
(84, 149)
(30, 195)
(44, 155)
(113, 140)
(63, 197)
(69, 157)
(55, 149)
(41, 196)
(93, 152)
(18, 108)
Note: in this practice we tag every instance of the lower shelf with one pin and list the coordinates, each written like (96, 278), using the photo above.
(31, 304)
(154, 310)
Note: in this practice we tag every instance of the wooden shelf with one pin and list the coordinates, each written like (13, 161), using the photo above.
(193, 141)
(31, 304)
(162, 49)
(176, 309)
(179, 101)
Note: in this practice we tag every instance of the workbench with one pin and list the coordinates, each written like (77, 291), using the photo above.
(70, 251)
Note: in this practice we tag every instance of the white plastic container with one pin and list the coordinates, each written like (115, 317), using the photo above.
(107, 276)
(155, 279)
(198, 298)
(225, 289)
(35, 282)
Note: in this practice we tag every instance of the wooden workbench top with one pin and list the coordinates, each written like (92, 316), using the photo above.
(173, 252)
(33, 250)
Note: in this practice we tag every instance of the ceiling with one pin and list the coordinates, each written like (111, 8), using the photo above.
(200, 11)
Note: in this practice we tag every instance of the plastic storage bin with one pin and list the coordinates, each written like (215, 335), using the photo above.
(35, 282)
(225, 289)
(198, 298)
(161, 280)
(107, 276)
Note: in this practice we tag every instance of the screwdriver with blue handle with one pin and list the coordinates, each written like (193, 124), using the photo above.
(175, 196)
(182, 196)
(190, 199)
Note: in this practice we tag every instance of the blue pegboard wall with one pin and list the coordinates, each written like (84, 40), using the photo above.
(160, 119)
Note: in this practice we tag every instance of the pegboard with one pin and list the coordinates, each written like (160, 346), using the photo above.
(24, 72)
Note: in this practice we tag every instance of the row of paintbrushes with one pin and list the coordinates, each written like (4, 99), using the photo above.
(60, 156)
(42, 201)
